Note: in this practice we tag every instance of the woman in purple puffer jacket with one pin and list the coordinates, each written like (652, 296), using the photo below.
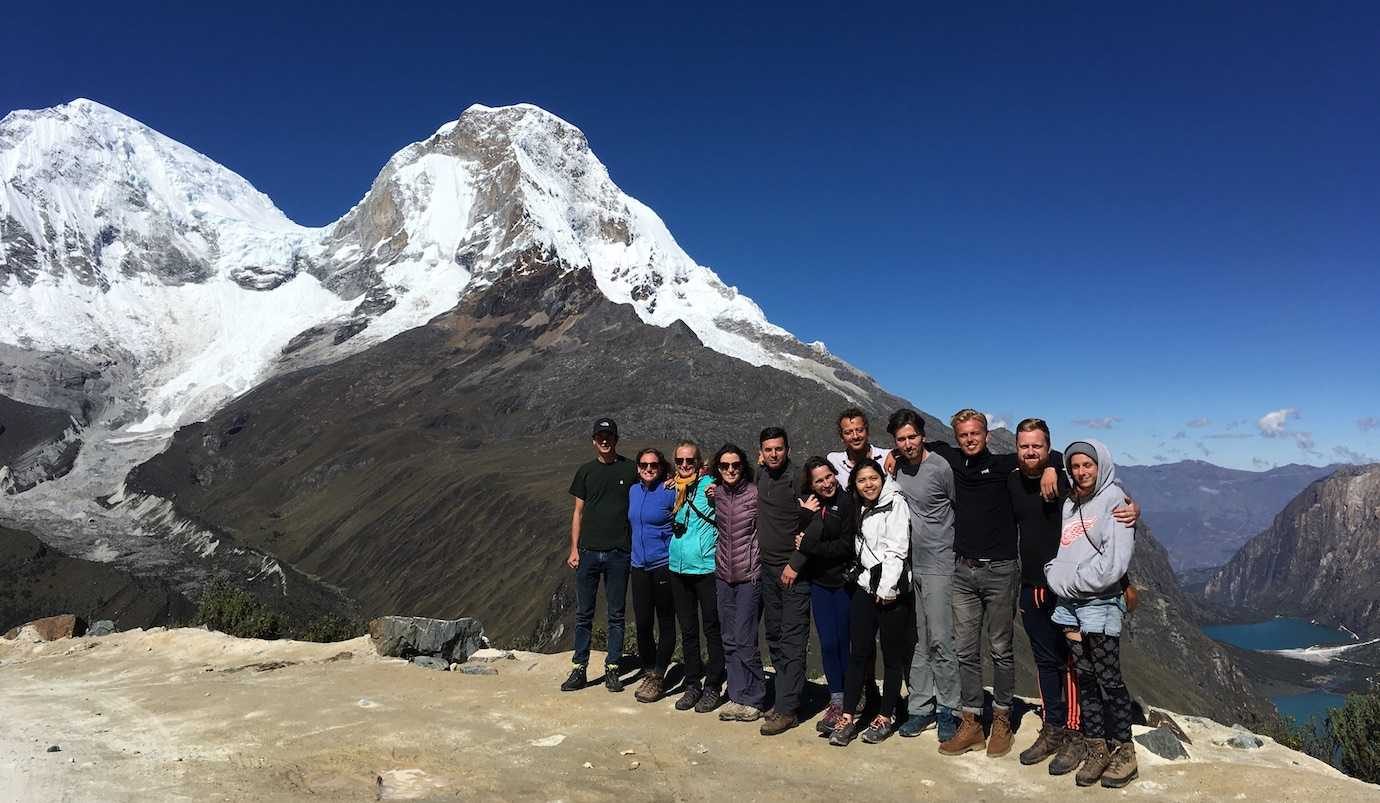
(737, 571)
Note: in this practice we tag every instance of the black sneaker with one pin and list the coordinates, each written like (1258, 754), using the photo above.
(709, 700)
(612, 681)
(576, 681)
(692, 695)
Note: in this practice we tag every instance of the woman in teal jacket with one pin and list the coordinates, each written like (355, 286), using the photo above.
(692, 581)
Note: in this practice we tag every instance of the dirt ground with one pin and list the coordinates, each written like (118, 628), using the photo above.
(194, 715)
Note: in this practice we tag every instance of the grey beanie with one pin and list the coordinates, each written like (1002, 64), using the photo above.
(1080, 447)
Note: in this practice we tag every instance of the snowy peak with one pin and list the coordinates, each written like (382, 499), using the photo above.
(89, 193)
(118, 244)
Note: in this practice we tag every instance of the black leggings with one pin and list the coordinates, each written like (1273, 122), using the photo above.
(651, 597)
(697, 608)
(1102, 695)
(895, 624)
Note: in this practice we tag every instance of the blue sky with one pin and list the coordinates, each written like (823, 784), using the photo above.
(1122, 221)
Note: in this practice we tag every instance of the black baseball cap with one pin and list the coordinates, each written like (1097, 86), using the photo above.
(606, 425)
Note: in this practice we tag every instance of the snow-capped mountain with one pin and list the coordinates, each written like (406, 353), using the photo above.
(125, 247)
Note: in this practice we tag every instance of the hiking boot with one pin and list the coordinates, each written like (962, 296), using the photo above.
(947, 723)
(612, 681)
(999, 739)
(577, 680)
(749, 713)
(709, 700)
(916, 724)
(1049, 741)
(969, 737)
(692, 695)
(777, 722)
(1070, 754)
(730, 712)
(650, 690)
(880, 729)
(1099, 756)
(1122, 768)
(843, 731)
(826, 723)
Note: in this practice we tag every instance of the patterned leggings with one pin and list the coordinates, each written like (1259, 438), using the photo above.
(1102, 695)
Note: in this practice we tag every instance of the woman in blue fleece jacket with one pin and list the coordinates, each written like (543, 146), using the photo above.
(650, 510)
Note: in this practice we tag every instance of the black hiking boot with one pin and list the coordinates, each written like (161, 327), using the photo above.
(577, 680)
(612, 681)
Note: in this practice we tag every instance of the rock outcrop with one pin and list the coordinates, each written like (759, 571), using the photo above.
(447, 640)
(1319, 559)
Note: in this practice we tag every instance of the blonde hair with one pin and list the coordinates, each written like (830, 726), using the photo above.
(967, 414)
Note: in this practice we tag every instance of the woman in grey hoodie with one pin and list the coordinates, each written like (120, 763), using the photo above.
(1087, 574)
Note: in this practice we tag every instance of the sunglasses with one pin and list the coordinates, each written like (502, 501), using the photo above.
(648, 465)
(730, 466)
(685, 461)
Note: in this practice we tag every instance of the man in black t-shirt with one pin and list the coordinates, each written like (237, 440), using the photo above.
(600, 546)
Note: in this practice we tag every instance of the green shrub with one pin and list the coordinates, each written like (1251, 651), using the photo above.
(236, 612)
(1356, 729)
(329, 627)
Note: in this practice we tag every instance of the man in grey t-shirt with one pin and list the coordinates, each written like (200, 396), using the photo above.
(926, 480)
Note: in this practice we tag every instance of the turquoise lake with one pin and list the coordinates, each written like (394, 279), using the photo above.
(1287, 634)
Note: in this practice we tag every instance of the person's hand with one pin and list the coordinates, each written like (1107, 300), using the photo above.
(1128, 513)
(671, 481)
(1049, 484)
(574, 560)
(798, 538)
(811, 504)
(788, 576)
(889, 465)
(761, 458)
(709, 492)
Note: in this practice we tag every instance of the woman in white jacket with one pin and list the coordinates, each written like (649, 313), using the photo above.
(881, 603)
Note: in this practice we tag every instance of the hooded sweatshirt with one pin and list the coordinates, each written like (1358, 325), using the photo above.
(1094, 548)
(884, 538)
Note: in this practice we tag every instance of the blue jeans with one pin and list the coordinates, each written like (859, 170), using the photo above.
(612, 565)
(830, 606)
(1091, 615)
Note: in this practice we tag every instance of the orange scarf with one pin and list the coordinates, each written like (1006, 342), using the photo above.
(683, 486)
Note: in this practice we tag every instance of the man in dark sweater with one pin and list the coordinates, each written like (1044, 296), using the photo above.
(986, 579)
(785, 596)
(600, 547)
(1039, 522)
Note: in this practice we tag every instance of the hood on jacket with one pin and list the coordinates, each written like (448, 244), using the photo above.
(1106, 469)
(891, 493)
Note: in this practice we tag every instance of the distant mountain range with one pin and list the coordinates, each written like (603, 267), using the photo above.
(1204, 513)
(1320, 558)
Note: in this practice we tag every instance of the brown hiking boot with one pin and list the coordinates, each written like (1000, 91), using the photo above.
(650, 690)
(1122, 768)
(969, 737)
(999, 739)
(1049, 741)
(777, 722)
(1099, 756)
(1071, 754)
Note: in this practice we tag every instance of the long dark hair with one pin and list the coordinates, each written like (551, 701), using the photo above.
(744, 475)
(663, 466)
(861, 503)
(807, 488)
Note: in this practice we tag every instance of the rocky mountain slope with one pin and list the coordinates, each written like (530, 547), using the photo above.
(1320, 558)
(188, 714)
(1204, 513)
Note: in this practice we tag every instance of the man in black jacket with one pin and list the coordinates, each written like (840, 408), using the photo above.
(785, 595)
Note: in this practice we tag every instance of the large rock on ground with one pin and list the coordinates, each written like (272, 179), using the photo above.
(409, 636)
(52, 628)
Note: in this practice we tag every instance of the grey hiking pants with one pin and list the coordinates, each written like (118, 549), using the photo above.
(934, 667)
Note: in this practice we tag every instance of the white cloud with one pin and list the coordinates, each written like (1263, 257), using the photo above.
(1206, 451)
(997, 420)
(1368, 423)
(1272, 424)
(1258, 463)
(1350, 455)
(1180, 435)
(1106, 422)
(1304, 440)
(1197, 423)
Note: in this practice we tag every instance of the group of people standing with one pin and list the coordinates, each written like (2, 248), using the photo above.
(926, 548)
